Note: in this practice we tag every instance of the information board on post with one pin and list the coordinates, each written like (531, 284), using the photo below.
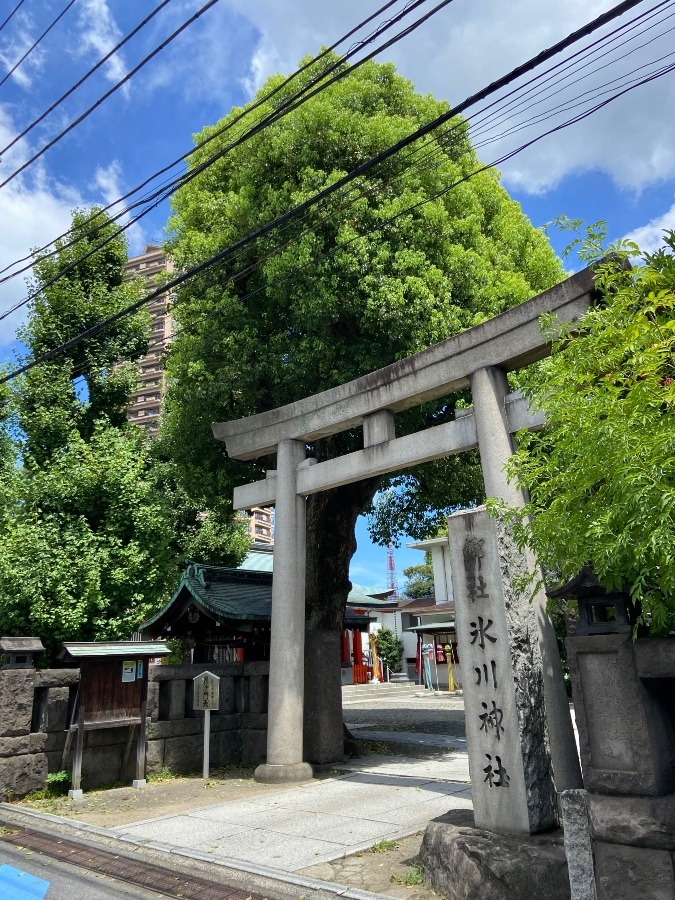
(207, 697)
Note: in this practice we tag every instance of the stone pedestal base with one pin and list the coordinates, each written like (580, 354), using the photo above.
(139, 783)
(462, 862)
(270, 774)
(75, 795)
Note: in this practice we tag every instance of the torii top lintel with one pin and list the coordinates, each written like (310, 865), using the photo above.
(510, 341)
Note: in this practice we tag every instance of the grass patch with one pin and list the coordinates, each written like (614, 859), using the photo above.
(413, 877)
(384, 846)
(164, 774)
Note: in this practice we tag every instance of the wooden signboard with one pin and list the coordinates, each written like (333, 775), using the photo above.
(113, 692)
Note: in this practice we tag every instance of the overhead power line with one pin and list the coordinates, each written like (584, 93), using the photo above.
(365, 167)
(152, 200)
(432, 139)
(37, 41)
(164, 190)
(15, 10)
(71, 90)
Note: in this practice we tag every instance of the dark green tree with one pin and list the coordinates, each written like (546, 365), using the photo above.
(419, 579)
(390, 648)
(342, 292)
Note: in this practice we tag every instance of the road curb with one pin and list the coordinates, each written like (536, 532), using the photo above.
(275, 883)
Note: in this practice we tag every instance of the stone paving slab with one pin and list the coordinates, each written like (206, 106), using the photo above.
(317, 821)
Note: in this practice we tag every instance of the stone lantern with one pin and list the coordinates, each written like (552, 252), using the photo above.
(19, 651)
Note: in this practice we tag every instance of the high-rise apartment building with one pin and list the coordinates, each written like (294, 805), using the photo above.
(146, 403)
(260, 525)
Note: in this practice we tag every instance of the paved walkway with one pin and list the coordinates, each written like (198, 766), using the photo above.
(321, 820)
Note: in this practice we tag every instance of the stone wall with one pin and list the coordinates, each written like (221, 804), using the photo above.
(35, 707)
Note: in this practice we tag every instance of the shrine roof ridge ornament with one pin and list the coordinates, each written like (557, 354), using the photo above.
(510, 341)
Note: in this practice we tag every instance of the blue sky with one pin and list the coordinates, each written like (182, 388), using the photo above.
(617, 165)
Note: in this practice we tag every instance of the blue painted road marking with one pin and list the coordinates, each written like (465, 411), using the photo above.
(18, 885)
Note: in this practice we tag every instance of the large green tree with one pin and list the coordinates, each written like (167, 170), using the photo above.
(339, 293)
(90, 516)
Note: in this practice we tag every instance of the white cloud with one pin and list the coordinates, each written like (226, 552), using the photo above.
(11, 51)
(98, 36)
(109, 184)
(649, 237)
(470, 44)
(34, 209)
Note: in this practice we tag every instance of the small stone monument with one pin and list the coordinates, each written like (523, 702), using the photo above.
(511, 776)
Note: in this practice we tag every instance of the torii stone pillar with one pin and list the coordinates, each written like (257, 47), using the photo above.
(489, 389)
(287, 650)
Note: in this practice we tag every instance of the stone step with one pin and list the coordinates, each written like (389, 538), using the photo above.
(363, 691)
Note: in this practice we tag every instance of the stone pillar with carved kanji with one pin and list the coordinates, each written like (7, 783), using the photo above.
(511, 774)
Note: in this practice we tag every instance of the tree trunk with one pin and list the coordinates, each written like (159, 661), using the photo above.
(331, 543)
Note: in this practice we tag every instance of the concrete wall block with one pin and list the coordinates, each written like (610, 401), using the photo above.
(241, 694)
(254, 722)
(230, 722)
(154, 760)
(54, 761)
(253, 747)
(257, 693)
(252, 669)
(225, 748)
(21, 775)
(176, 700)
(226, 695)
(183, 754)
(624, 873)
(16, 701)
(100, 765)
(105, 737)
(179, 728)
(55, 711)
(129, 771)
(639, 821)
(14, 746)
(52, 742)
(153, 700)
(37, 742)
(55, 678)
(173, 673)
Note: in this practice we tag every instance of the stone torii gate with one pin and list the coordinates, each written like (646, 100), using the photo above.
(479, 359)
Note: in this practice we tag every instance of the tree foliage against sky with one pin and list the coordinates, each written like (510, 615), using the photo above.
(601, 476)
(89, 545)
(419, 579)
(343, 292)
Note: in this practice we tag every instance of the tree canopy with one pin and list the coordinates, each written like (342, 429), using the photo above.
(419, 579)
(601, 477)
(89, 545)
(387, 267)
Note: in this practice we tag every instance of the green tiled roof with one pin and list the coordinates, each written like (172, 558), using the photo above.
(225, 593)
(258, 560)
(85, 649)
(235, 594)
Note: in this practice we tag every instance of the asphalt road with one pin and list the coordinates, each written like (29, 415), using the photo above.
(25, 875)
